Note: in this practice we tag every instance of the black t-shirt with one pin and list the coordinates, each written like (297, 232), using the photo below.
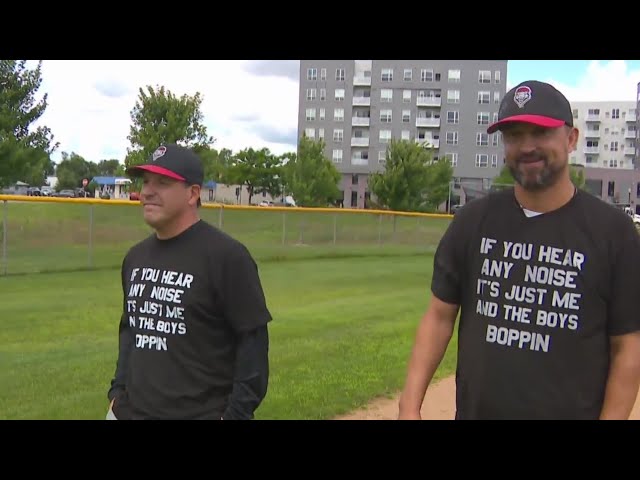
(186, 300)
(539, 298)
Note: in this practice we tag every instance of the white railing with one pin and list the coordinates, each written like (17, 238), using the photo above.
(429, 101)
(360, 121)
(359, 141)
(362, 81)
(427, 122)
(362, 101)
(429, 142)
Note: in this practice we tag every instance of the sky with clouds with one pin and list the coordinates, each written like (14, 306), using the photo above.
(247, 103)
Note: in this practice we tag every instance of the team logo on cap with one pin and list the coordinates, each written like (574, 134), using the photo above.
(160, 151)
(522, 95)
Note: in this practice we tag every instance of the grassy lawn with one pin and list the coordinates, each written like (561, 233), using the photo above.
(59, 237)
(346, 291)
(341, 335)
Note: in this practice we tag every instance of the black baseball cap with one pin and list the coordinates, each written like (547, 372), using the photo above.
(174, 161)
(534, 102)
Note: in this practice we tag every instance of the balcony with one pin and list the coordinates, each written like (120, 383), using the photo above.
(593, 117)
(359, 141)
(361, 101)
(591, 150)
(359, 161)
(428, 122)
(360, 121)
(429, 101)
(630, 134)
(592, 133)
(631, 117)
(362, 81)
(629, 150)
(429, 142)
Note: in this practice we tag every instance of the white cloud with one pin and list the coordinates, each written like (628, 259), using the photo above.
(603, 80)
(244, 106)
(90, 102)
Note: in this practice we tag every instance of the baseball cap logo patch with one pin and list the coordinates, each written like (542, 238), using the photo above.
(522, 95)
(160, 151)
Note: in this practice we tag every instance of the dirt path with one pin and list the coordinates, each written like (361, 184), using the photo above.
(439, 404)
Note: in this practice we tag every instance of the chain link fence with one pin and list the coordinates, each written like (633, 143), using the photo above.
(42, 234)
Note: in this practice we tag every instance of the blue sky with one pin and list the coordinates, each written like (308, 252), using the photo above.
(568, 72)
(247, 103)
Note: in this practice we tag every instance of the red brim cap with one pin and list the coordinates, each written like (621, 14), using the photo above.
(539, 120)
(158, 170)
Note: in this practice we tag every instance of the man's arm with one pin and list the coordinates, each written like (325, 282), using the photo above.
(624, 377)
(251, 375)
(624, 326)
(432, 338)
(436, 327)
(246, 311)
(125, 344)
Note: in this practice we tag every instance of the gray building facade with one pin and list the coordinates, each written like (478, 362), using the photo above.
(615, 185)
(358, 106)
(608, 134)
(637, 164)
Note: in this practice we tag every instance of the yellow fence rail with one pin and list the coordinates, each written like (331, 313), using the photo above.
(217, 206)
(42, 234)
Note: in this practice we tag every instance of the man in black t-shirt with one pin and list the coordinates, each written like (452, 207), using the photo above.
(545, 278)
(193, 339)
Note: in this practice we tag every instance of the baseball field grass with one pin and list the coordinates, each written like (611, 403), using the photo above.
(341, 335)
(346, 292)
(45, 237)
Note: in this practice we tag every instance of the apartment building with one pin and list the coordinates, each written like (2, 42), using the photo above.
(638, 126)
(615, 185)
(608, 134)
(358, 106)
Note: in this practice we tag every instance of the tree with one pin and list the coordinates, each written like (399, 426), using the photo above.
(25, 151)
(216, 163)
(285, 177)
(110, 168)
(258, 170)
(271, 179)
(577, 176)
(72, 169)
(244, 169)
(161, 117)
(439, 175)
(411, 180)
(310, 177)
(505, 179)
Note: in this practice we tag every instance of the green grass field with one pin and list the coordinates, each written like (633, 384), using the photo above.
(345, 314)
(341, 335)
(45, 237)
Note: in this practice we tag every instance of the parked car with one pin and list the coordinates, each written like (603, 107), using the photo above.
(634, 216)
(65, 194)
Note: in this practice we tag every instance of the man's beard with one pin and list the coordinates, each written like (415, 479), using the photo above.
(539, 180)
